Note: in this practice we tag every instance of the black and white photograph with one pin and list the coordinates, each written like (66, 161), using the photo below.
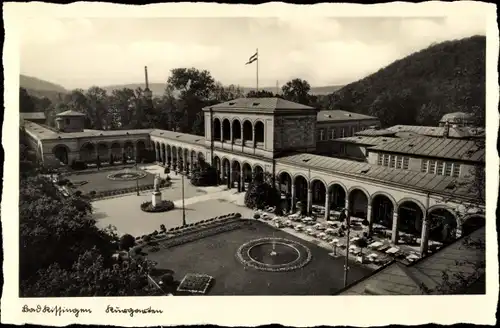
(261, 155)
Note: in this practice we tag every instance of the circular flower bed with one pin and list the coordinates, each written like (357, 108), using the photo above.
(289, 255)
(163, 206)
(126, 175)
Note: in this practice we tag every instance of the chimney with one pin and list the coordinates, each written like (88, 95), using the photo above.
(147, 92)
(446, 133)
(146, 76)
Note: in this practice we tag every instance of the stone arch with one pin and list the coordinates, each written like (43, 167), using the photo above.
(410, 216)
(383, 207)
(246, 170)
(443, 223)
(472, 223)
(225, 169)
(236, 129)
(359, 199)
(259, 132)
(193, 158)
(285, 181)
(128, 149)
(235, 171)
(157, 151)
(103, 151)
(116, 151)
(318, 188)
(201, 157)
(217, 129)
(61, 152)
(226, 130)
(218, 166)
(88, 152)
(247, 130)
(386, 194)
(338, 194)
(141, 149)
(409, 199)
(258, 172)
(301, 185)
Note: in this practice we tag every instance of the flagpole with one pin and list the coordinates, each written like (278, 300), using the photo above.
(257, 52)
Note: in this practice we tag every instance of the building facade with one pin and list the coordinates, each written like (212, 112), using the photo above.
(245, 137)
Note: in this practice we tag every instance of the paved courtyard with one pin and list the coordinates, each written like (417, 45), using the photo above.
(201, 203)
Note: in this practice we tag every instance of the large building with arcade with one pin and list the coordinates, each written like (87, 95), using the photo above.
(396, 181)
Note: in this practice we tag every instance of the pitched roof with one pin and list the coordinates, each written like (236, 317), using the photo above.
(44, 132)
(341, 115)
(458, 187)
(32, 116)
(375, 133)
(71, 113)
(438, 131)
(425, 276)
(368, 141)
(457, 149)
(181, 137)
(270, 104)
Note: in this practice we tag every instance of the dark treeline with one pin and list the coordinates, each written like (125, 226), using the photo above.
(416, 90)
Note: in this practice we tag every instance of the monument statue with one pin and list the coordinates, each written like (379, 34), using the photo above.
(157, 183)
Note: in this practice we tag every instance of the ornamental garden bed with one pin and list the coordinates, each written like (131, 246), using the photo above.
(195, 283)
(163, 206)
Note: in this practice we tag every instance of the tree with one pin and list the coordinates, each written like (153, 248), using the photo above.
(203, 174)
(98, 107)
(259, 94)
(126, 242)
(261, 193)
(26, 104)
(121, 108)
(188, 91)
(361, 243)
(297, 90)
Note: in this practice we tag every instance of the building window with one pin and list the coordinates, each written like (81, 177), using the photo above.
(393, 161)
(342, 133)
(406, 161)
(321, 134)
(332, 134)
(456, 170)
(432, 167)
(379, 159)
(353, 130)
(440, 168)
(386, 160)
(67, 121)
(399, 163)
(425, 165)
(342, 149)
(448, 168)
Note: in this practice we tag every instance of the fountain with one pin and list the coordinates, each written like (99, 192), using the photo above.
(273, 252)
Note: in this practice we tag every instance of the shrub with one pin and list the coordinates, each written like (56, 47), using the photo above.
(204, 175)
(155, 232)
(163, 228)
(93, 193)
(166, 170)
(164, 206)
(62, 182)
(146, 238)
(256, 216)
(168, 178)
(261, 194)
(365, 222)
(126, 242)
(78, 165)
(78, 193)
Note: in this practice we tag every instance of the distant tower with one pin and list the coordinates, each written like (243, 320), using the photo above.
(277, 87)
(147, 92)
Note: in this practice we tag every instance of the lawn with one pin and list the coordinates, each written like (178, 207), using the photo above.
(216, 256)
(98, 181)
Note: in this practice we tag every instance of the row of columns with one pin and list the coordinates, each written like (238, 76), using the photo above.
(395, 218)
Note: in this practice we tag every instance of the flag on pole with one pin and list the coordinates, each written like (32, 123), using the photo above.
(253, 58)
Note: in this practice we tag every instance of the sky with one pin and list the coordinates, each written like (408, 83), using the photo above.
(79, 52)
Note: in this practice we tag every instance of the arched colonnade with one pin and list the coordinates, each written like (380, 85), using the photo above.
(243, 132)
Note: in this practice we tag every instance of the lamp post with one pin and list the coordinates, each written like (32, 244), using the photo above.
(136, 178)
(183, 207)
(346, 215)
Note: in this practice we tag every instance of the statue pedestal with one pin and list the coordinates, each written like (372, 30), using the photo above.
(156, 198)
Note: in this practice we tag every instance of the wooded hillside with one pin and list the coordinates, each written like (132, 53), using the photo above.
(419, 89)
